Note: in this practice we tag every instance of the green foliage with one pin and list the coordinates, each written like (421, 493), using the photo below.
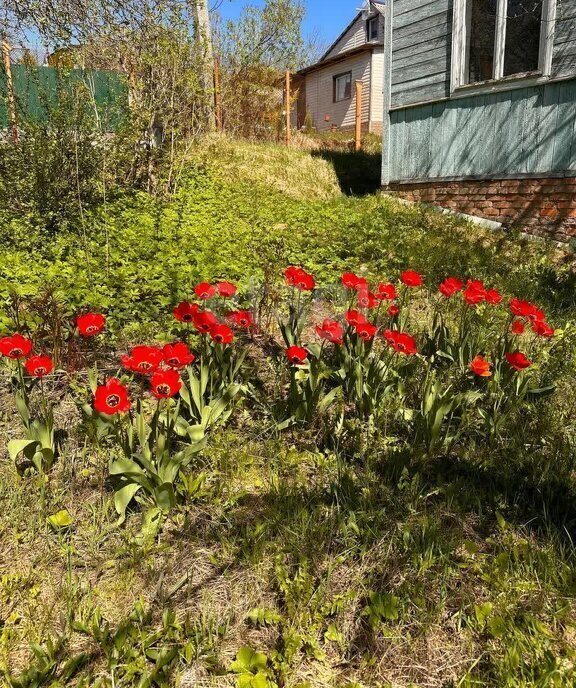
(412, 533)
(53, 174)
(152, 459)
(252, 669)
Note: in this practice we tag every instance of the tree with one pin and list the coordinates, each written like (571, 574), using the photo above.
(254, 51)
(204, 39)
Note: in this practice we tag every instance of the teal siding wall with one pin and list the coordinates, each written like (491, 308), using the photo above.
(37, 90)
(421, 50)
(422, 46)
(527, 131)
(564, 53)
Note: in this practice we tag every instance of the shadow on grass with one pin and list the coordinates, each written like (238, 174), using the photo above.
(358, 173)
(313, 521)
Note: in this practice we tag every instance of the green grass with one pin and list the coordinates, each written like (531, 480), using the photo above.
(360, 567)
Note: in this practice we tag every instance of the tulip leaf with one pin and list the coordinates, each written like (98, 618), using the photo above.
(124, 496)
(16, 447)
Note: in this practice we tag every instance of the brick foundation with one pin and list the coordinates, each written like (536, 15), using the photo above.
(543, 206)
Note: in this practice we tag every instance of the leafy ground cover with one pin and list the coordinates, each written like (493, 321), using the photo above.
(363, 548)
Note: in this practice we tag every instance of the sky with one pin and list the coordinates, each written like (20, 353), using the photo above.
(325, 19)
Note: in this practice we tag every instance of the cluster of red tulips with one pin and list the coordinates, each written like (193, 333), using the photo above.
(473, 292)
(162, 364)
(18, 348)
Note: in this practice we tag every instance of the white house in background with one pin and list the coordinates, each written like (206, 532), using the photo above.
(327, 89)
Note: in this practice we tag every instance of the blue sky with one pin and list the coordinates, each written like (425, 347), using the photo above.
(324, 18)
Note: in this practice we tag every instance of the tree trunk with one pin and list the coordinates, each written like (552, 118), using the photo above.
(204, 37)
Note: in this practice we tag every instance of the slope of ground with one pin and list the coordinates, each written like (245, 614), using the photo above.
(343, 568)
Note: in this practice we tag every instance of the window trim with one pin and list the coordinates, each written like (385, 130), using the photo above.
(461, 48)
(334, 80)
(376, 18)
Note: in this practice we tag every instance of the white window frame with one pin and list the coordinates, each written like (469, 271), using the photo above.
(369, 21)
(461, 47)
(335, 78)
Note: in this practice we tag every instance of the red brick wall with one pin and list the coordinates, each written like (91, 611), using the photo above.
(544, 207)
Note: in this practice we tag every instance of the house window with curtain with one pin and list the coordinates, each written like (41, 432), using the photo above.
(343, 87)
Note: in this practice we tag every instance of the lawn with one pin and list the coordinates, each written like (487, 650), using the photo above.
(304, 543)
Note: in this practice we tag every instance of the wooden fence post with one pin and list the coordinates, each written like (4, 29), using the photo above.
(358, 128)
(287, 105)
(217, 96)
(10, 96)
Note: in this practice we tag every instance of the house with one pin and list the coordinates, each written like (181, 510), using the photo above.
(326, 89)
(480, 109)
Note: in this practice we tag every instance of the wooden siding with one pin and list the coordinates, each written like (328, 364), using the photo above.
(355, 37)
(421, 50)
(319, 93)
(564, 51)
(530, 131)
(422, 46)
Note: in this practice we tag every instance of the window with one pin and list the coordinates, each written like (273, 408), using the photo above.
(343, 87)
(523, 27)
(494, 39)
(372, 26)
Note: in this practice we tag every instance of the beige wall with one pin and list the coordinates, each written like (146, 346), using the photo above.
(356, 36)
(319, 93)
(377, 88)
(353, 38)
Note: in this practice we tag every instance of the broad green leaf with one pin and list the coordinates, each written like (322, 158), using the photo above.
(123, 497)
(61, 519)
(16, 447)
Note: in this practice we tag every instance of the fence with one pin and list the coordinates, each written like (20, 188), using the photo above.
(37, 89)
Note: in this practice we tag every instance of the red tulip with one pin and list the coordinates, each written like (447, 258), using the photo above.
(393, 310)
(39, 366)
(299, 278)
(494, 297)
(450, 286)
(331, 331)
(474, 293)
(226, 289)
(518, 360)
(517, 327)
(401, 342)
(291, 274)
(411, 278)
(221, 334)
(542, 329)
(525, 309)
(241, 319)
(352, 281)
(366, 331)
(112, 398)
(519, 307)
(204, 290)
(184, 311)
(90, 324)
(386, 292)
(354, 318)
(480, 366)
(15, 346)
(366, 299)
(177, 355)
(204, 321)
(143, 359)
(165, 383)
(296, 354)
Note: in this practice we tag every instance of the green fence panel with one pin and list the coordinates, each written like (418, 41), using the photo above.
(37, 91)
